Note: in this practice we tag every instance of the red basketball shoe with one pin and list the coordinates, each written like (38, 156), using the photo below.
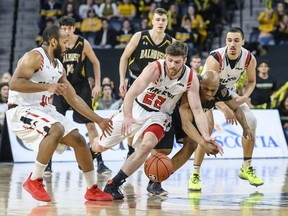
(36, 189)
(95, 194)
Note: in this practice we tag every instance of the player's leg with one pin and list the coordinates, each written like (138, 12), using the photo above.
(93, 134)
(151, 137)
(246, 171)
(82, 153)
(43, 133)
(83, 90)
(194, 180)
(61, 106)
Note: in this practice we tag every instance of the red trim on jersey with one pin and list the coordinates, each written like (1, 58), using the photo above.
(247, 60)
(220, 60)
(156, 129)
(190, 78)
(42, 59)
(159, 67)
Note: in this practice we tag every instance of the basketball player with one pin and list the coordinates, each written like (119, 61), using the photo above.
(143, 48)
(74, 61)
(211, 92)
(39, 74)
(230, 62)
(147, 109)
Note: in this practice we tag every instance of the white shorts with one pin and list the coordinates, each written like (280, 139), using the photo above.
(143, 118)
(31, 124)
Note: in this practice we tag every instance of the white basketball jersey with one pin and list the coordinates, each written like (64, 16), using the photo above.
(46, 74)
(165, 93)
(229, 76)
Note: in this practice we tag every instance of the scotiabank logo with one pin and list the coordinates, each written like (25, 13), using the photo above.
(226, 135)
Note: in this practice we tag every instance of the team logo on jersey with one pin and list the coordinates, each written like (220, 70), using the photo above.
(180, 84)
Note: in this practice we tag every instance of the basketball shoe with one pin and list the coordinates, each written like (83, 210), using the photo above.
(155, 188)
(114, 190)
(248, 174)
(36, 189)
(95, 194)
(194, 182)
(102, 169)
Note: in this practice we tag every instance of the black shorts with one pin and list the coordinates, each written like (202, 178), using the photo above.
(83, 90)
(167, 141)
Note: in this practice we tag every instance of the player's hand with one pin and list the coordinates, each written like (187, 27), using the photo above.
(58, 88)
(96, 91)
(122, 88)
(230, 118)
(106, 126)
(212, 147)
(247, 134)
(126, 125)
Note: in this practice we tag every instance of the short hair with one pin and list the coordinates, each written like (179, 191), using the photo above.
(160, 11)
(196, 56)
(263, 61)
(67, 21)
(177, 48)
(236, 30)
(50, 32)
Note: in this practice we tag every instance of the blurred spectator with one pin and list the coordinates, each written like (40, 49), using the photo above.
(107, 100)
(174, 19)
(125, 34)
(280, 10)
(4, 91)
(5, 78)
(188, 35)
(281, 33)
(143, 25)
(196, 64)
(265, 85)
(153, 6)
(267, 23)
(197, 22)
(39, 37)
(126, 10)
(118, 103)
(283, 112)
(108, 10)
(69, 10)
(105, 38)
(90, 25)
(84, 8)
(144, 8)
(50, 10)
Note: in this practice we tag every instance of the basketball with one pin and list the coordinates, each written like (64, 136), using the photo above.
(158, 167)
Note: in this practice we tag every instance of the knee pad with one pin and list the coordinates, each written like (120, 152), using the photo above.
(250, 117)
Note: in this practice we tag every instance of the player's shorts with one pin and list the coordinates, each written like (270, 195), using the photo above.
(83, 90)
(32, 123)
(143, 118)
(168, 140)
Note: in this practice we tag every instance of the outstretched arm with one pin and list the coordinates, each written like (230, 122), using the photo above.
(80, 106)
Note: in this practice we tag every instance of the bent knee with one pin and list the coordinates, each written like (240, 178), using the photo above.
(57, 129)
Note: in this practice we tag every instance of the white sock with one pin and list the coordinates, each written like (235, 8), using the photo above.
(90, 178)
(196, 168)
(38, 170)
(246, 163)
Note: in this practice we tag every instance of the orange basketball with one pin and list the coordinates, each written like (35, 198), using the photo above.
(158, 167)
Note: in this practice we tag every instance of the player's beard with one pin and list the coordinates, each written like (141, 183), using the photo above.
(58, 52)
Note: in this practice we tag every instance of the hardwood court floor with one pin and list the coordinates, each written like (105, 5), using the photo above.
(223, 192)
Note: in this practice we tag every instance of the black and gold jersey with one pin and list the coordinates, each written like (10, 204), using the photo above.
(147, 51)
(72, 61)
